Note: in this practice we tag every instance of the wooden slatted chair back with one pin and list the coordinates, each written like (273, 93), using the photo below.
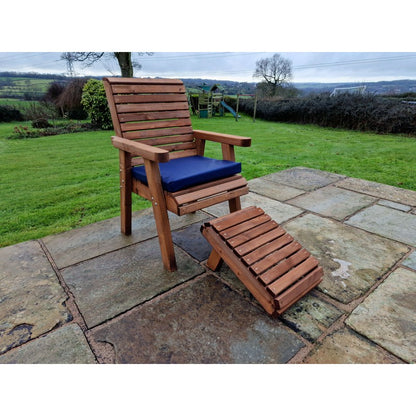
(152, 111)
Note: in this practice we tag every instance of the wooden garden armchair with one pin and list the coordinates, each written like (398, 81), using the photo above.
(162, 157)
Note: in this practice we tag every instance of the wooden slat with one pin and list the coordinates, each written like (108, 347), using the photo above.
(156, 81)
(259, 241)
(179, 146)
(245, 226)
(267, 249)
(292, 276)
(148, 125)
(247, 236)
(215, 199)
(182, 153)
(149, 98)
(148, 107)
(299, 289)
(147, 134)
(183, 138)
(274, 258)
(143, 88)
(281, 268)
(236, 218)
(209, 191)
(157, 115)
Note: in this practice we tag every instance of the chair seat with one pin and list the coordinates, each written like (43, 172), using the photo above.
(178, 174)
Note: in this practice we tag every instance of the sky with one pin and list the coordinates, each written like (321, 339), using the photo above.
(357, 67)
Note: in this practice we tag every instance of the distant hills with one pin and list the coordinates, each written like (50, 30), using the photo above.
(22, 84)
(380, 87)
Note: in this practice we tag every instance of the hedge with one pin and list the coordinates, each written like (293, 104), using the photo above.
(348, 111)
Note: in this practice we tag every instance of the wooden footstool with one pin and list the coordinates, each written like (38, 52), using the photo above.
(274, 267)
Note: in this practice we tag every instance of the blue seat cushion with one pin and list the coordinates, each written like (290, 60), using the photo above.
(189, 171)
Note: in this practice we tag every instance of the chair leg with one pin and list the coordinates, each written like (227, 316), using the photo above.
(125, 192)
(125, 212)
(161, 215)
(234, 204)
(214, 261)
(165, 238)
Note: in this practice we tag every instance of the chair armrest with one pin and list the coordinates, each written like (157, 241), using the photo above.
(223, 138)
(139, 149)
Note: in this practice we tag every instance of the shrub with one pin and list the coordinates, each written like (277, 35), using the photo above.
(41, 123)
(70, 100)
(52, 95)
(8, 113)
(64, 127)
(94, 101)
(40, 110)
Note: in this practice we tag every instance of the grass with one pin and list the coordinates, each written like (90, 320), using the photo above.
(16, 103)
(53, 184)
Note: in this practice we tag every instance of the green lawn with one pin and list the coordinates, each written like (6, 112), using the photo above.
(52, 184)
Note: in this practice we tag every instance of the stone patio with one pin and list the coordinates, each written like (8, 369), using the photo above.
(92, 295)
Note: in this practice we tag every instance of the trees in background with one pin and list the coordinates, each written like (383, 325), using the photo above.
(275, 72)
(125, 61)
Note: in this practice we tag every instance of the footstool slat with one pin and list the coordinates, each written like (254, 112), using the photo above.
(249, 235)
(273, 266)
(283, 241)
(237, 217)
(291, 276)
(245, 226)
(259, 241)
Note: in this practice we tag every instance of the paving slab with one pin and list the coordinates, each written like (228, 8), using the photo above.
(378, 190)
(273, 190)
(191, 240)
(66, 345)
(303, 178)
(228, 276)
(410, 261)
(84, 243)
(115, 282)
(394, 205)
(311, 316)
(278, 211)
(388, 315)
(333, 202)
(346, 347)
(387, 222)
(353, 260)
(205, 322)
(31, 298)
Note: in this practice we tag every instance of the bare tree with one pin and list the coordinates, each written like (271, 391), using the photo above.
(275, 71)
(124, 59)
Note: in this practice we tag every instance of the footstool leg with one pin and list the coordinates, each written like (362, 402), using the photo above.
(214, 261)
